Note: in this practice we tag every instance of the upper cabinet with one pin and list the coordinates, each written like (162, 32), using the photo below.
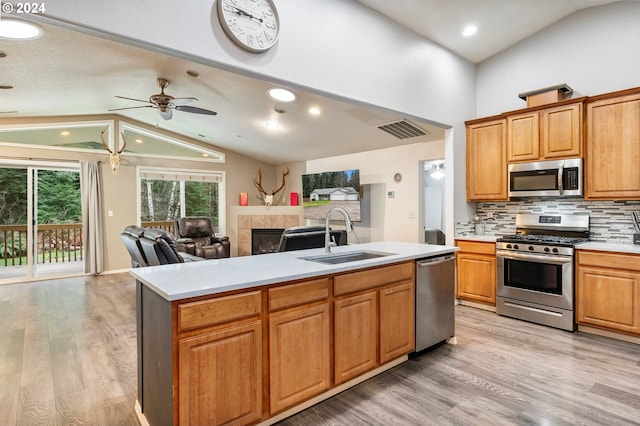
(545, 133)
(486, 160)
(613, 146)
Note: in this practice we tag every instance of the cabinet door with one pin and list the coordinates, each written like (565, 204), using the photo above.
(613, 148)
(523, 137)
(608, 298)
(561, 134)
(355, 335)
(230, 359)
(397, 321)
(299, 355)
(476, 277)
(486, 161)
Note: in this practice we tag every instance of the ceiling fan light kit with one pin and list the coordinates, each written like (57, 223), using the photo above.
(165, 104)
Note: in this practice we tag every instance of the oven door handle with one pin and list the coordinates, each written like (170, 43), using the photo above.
(556, 260)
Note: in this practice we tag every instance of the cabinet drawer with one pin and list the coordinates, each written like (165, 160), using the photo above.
(298, 294)
(215, 311)
(629, 262)
(477, 247)
(371, 278)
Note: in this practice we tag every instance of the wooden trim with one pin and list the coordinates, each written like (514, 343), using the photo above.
(626, 92)
(371, 278)
(290, 295)
(484, 119)
(215, 311)
(479, 247)
(546, 106)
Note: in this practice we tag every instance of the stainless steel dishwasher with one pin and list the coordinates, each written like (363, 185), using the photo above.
(435, 300)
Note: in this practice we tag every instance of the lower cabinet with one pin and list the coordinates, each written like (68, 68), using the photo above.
(476, 271)
(299, 355)
(373, 318)
(229, 359)
(608, 291)
(356, 335)
(245, 357)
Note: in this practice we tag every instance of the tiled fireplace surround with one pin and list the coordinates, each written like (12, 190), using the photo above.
(247, 218)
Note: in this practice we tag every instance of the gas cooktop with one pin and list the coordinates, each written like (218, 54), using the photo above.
(543, 239)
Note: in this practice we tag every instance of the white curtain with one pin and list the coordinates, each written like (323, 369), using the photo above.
(92, 235)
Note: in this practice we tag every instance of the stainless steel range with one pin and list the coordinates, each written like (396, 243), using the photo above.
(535, 269)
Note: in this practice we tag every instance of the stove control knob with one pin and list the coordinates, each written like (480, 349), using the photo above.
(555, 250)
(546, 249)
(515, 246)
(531, 248)
(508, 246)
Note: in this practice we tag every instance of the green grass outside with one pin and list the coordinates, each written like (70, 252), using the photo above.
(316, 203)
(41, 258)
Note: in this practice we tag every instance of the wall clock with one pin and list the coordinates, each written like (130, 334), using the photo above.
(251, 24)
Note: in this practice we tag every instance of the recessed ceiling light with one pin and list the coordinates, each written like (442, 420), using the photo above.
(282, 95)
(64, 133)
(205, 155)
(314, 111)
(469, 30)
(19, 30)
(138, 140)
(272, 125)
(192, 73)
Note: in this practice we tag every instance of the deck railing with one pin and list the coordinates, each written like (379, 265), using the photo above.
(55, 244)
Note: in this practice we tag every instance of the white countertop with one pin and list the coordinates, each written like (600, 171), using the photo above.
(185, 280)
(616, 247)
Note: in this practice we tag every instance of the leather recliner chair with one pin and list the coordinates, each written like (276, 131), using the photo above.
(159, 248)
(131, 239)
(197, 237)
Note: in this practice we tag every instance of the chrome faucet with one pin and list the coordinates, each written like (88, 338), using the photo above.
(327, 235)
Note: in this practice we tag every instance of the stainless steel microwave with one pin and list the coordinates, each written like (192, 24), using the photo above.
(555, 178)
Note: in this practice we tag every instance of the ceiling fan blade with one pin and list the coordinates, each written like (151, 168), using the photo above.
(133, 99)
(143, 106)
(195, 110)
(166, 114)
(182, 101)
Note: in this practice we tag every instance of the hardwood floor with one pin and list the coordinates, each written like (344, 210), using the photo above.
(68, 356)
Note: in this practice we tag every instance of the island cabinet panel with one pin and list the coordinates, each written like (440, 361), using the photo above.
(397, 321)
(215, 311)
(299, 355)
(613, 147)
(476, 271)
(356, 335)
(298, 294)
(608, 291)
(487, 160)
(220, 376)
(372, 278)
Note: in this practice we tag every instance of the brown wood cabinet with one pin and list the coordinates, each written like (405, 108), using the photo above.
(229, 359)
(476, 271)
(486, 160)
(608, 291)
(369, 331)
(243, 357)
(397, 312)
(613, 146)
(545, 134)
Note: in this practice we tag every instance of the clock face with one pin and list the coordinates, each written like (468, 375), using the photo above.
(251, 24)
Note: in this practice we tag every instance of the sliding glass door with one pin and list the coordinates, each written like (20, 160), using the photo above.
(40, 222)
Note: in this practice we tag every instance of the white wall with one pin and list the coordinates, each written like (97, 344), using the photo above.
(397, 218)
(594, 51)
(338, 48)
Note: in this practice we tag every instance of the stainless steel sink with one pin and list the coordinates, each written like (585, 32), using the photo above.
(353, 256)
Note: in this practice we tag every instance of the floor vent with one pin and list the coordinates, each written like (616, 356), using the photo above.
(403, 129)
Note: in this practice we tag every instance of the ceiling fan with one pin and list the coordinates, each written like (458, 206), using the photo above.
(165, 104)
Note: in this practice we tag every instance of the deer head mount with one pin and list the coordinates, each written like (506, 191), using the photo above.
(267, 198)
(114, 157)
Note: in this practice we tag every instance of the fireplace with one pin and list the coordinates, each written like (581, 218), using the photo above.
(265, 240)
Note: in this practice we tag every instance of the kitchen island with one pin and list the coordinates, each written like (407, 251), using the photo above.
(255, 339)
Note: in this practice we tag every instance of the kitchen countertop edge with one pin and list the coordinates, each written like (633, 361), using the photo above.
(209, 277)
(611, 247)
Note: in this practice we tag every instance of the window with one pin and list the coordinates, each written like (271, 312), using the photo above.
(167, 195)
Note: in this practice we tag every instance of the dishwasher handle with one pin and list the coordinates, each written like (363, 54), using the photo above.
(435, 260)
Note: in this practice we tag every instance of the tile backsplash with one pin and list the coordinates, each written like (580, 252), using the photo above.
(609, 221)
